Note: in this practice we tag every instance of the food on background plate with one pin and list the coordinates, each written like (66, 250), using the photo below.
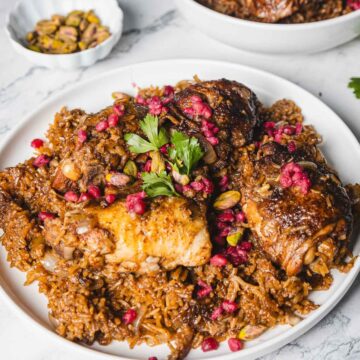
(76, 31)
(186, 215)
(283, 11)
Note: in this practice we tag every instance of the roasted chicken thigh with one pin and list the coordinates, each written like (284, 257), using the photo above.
(295, 224)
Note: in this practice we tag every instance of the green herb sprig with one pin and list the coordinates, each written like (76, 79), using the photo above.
(157, 137)
(186, 152)
(158, 184)
(355, 85)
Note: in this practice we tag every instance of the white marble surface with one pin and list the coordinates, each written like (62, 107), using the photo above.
(155, 30)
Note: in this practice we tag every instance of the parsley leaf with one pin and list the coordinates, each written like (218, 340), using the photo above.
(186, 152)
(355, 85)
(138, 145)
(158, 184)
(157, 137)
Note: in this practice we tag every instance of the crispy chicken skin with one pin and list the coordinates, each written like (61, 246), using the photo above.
(174, 232)
(293, 228)
(235, 111)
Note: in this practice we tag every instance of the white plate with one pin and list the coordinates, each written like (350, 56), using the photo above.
(340, 147)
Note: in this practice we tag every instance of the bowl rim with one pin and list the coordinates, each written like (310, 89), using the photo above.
(273, 26)
(114, 36)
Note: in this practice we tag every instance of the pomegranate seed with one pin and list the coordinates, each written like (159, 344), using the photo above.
(291, 147)
(215, 130)
(235, 344)
(164, 149)
(179, 188)
(113, 120)
(293, 175)
(245, 245)
(140, 100)
(197, 185)
(222, 225)
(209, 186)
(288, 130)
(153, 358)
(209, 344)
(196, 99)
(240, 217)
(43, 215)
(94, 191)
(225, 231)
(168, 90)
(119, 110)
(218, 260)
(212, 140)
(110, 198)
(226, 217)
(37, 143)
(82, 136)
(187, 188)
(298, 128)
(71, 196)
(217, 313)
(205, 289)
(189, 112)
(147, 166)
(41, 160)
(84, 197)
(129, 317)
(224, 181)
(102, 126)
(135, 203)
(229, 306)
(354, 4)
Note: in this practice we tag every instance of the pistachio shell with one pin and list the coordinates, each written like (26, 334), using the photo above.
(58, 19)
(179, 178)
(67, 33)
(119, 179)
(45, 27)
(227, 200)
(235, 237)
(250, 332)
(91, 17)
(73, 19)
(130, 168)
(34, 48)
(157, 162)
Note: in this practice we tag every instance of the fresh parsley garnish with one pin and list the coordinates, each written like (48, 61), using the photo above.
(186, 152)
(158, 184)
(355, 85)
(157, 137)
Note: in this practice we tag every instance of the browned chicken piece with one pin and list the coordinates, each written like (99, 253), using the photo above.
(272, 10)
(295, 228)
(235, 111)
(172, 233)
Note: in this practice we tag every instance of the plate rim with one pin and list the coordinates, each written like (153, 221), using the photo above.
(268, 345)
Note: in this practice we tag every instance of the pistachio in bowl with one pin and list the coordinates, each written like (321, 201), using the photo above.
(77, 31)
(65, 34)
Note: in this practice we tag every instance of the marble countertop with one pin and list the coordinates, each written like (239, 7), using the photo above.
(155, 30)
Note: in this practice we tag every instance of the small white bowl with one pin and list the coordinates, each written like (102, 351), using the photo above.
(272, 38)
(26, 14)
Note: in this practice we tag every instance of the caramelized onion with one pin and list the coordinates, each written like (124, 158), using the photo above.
(49, 262)
(210, 156)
